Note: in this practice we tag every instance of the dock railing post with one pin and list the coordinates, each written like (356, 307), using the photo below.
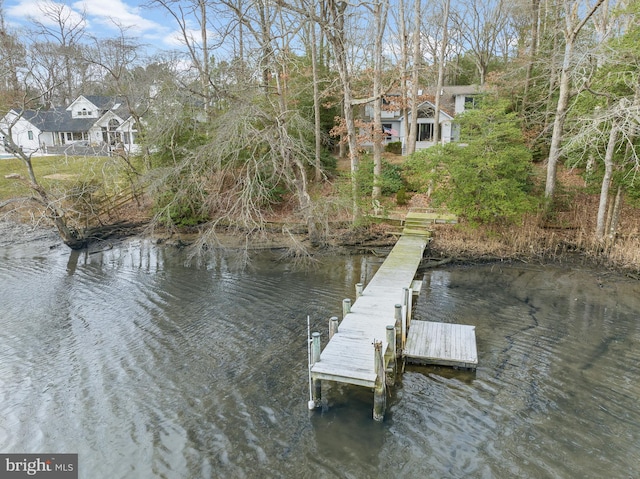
(358, 290)
(346, 307)
(398, 324)
(315, 358)
(333, 326)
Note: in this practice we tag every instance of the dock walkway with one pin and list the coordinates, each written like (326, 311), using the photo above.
(375, 330)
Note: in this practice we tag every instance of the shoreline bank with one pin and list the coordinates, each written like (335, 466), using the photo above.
(451, 245)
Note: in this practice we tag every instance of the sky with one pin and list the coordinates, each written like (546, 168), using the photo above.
(150, 26)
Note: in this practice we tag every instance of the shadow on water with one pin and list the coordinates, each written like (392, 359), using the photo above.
(344, 430)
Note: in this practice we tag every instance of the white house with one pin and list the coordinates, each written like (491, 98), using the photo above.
(453, 101)
(96, 121)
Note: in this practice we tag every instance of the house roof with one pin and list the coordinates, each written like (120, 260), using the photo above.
(61, 120)
(57, 120)
(103, 103)
(463, 89)
(427, 103)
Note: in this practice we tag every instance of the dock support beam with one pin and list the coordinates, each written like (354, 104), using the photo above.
(380, 389)
(315, 357)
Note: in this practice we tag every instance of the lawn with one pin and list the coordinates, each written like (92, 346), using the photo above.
(59, 173)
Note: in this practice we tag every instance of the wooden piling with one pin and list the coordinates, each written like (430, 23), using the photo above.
(333, 326)
(392, 366)
(380, 389)
(405, 315)
(346, 307)
(315, 358)
(398, 324)
(359, 287)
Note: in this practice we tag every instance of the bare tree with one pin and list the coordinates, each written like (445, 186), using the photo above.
(481, 24)
(317, 126)
(441, 66)
(12, 54)
(415, 77)
(63, 29)
(573, 25)
(380, 9)
(51, 206)
(533, 49)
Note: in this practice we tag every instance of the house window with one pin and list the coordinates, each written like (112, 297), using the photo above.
(469, 102)
(30, 134)
(69, 136)
(425, 131)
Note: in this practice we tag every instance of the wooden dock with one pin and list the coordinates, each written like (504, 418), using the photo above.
(364, 348)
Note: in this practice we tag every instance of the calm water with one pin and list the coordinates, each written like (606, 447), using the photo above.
(147, 367)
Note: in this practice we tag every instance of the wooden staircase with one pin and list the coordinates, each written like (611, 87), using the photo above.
(419, 223)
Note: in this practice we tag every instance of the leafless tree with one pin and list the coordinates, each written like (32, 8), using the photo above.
(380, 9)
(415, 76)
(12, 53)
(481, 24)
(441, 67)
(573, 25)
(51, 206)
(63, 30)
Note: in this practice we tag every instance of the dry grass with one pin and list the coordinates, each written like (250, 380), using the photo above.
(568, 236)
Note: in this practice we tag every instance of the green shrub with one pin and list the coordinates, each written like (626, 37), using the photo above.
(391, 177)
(488, 179)
(178, 210)
(394, 147)
(401, 197)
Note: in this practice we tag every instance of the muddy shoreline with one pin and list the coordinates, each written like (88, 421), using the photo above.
(374, 240)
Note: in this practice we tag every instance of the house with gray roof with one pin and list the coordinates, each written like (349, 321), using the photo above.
(90, 121)
(454, 100)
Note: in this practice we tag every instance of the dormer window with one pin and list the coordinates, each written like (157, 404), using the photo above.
(84, 112)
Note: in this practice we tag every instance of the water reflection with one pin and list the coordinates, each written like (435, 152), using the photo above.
(148, 367)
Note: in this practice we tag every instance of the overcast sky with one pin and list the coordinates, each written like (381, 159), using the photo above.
(150, 26)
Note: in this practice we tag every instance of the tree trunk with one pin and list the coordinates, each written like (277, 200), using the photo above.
(415, 78)
(572, 30)
(441, 57)
(615, 215)
(533, 50)
(204, 73)
(404, 62)
(316, 105)
(558, 123)
(380, 12)
(606, 182)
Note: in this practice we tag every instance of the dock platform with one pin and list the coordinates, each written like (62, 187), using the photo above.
(442, 344)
